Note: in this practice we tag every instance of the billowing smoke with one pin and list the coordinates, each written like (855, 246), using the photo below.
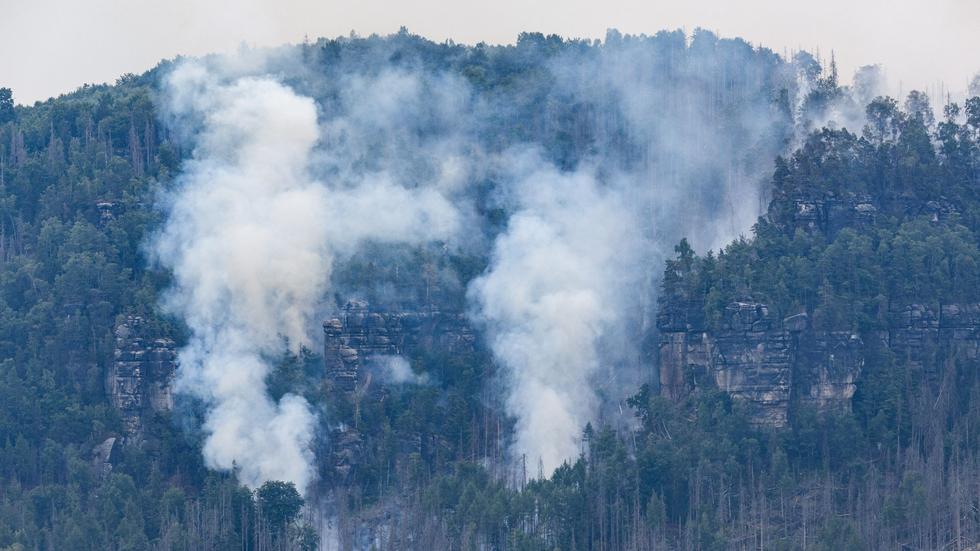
(974, 87)
(251, 238)
(553, 292)
(670, 140)
(659, 138)
(246, 239)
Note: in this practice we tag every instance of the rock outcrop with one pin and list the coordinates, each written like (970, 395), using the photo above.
(764, 362)
(358, 335)
(358, 338)
(828, 213)
(139, 379)
(103, 456)
(923, 335)
(108, 210)
(771, 365)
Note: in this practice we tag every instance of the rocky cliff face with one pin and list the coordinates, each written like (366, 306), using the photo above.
(766, 363)
(828, 213)
(926, 335)
(359, 336)
(139, 379)
(355, 342)
(771, 365)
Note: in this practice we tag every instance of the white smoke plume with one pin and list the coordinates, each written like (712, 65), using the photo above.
(246, 239)
(251, 238)
(675, 150)
(681, 136)
(552, 294)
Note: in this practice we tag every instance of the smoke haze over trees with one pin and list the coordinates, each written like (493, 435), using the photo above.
(534, 195)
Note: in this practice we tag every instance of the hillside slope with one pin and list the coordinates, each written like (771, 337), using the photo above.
(812, 384)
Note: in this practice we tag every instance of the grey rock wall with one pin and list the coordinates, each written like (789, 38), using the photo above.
(771, 364)
(358, 337)
(139, 380)
(359, 334)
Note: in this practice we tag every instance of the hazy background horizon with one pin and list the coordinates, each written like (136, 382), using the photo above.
(55, 46)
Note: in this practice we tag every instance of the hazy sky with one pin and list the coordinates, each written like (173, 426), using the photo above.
(48, 47)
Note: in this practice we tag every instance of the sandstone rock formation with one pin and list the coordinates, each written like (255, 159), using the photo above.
(925, 335)
(763, 362)
(103, 456)
(359, 334)
(828, 212)
(770, 365)
(140, 376)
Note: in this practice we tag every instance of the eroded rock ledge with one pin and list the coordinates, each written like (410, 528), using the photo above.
(140, 378)
(358, 337)
(360, 334)
(770, 364)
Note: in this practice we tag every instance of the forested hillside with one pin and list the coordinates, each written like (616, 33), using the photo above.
(860, 222)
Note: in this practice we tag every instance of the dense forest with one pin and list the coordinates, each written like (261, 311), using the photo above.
(81, 178)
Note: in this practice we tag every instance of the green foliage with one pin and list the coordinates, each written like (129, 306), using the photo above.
(305, 538)
(860, 228)
(7, 112)
(917, 245)
(279, 503)
(839, 535)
